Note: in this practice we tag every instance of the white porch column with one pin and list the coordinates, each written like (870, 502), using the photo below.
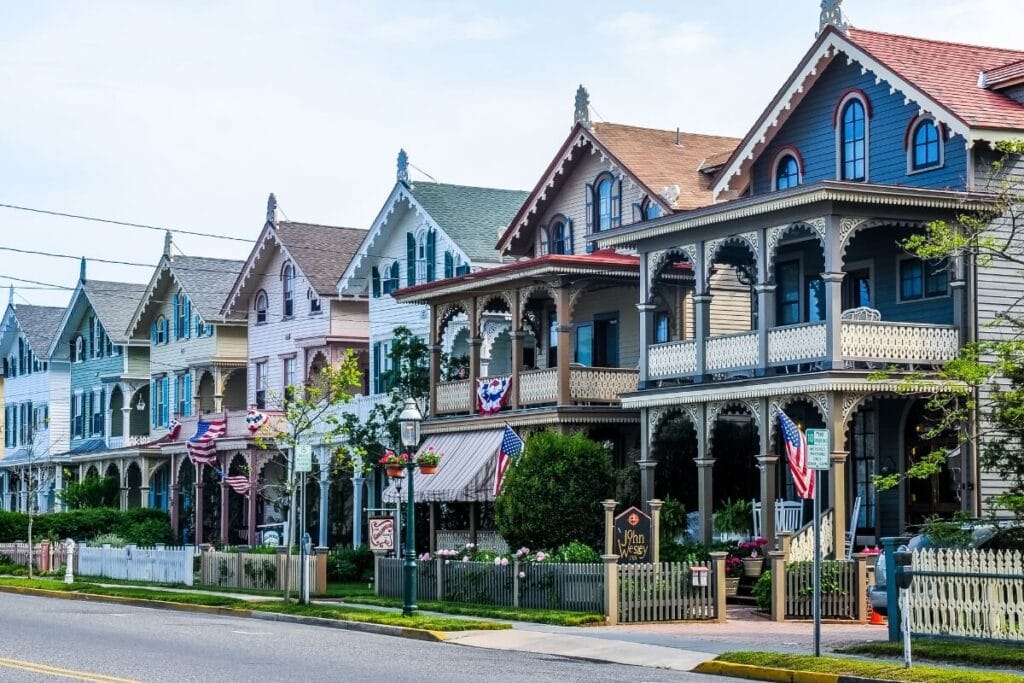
(23, 493)
(833, 278)
(702, 310)
(325, 489)
(358, 482)
(58, 488)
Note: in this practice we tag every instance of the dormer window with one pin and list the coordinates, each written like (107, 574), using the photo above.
(852, 137)
(603, 198)
(314, 301)
(604, 204)
(787, 172)
(391, 282)
(288, 290)
(560, 236)
(651, 209)
(926, 145)
(79, 351)
(261, 307)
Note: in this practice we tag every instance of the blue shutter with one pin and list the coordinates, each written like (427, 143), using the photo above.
(152, 402)
(166, 393)
(188, 318)
(410, 255)
(152, 334)
(375, 281)
(449, 264)
(167, 331)
(590, 214)
(616, 203)
(376, 367)
(431, 254)
(188, 394)
(568, 236)
(174, 315)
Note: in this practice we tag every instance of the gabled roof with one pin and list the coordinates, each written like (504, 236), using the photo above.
(674, 175)
(38, 323)
(112, 302)
(206, 281)
(944, 79)
(1004, 76)
(320, 252)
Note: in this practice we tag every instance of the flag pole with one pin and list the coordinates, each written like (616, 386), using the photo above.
(817, 564)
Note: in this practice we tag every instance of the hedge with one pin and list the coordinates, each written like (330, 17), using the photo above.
(143, 526)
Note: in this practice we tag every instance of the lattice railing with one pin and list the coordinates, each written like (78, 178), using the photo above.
(968, 593)
(801, 548)
(453, 397)
(672, 358)
(538, 386)
(601, 385)
(731, 351)
(796, 343)
(899, 342)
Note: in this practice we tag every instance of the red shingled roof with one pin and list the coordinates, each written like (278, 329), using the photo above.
(948, 72)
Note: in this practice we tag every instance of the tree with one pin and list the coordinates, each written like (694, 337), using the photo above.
(92, 492)
(551, 495)
(982, 396)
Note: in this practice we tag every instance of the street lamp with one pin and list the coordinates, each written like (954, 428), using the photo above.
(409, 421)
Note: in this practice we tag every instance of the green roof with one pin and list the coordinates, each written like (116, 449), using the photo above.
(473, 217)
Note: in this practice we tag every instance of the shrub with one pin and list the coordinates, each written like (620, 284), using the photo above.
(575, 552)
(91, 492)
(349, 565)
(551, 495)
(141, 526)
(112, 540)
(762, 591)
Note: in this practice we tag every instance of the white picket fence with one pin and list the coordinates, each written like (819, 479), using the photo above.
(967, 593)
(159, 565)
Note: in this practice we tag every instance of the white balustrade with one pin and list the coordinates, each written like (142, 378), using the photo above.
(453, 397)
(672, 358)
(731, 351)
(794, 343)
(897, 342)
(601, 385)
(538, 386)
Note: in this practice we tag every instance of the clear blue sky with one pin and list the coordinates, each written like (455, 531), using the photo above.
(188, 114)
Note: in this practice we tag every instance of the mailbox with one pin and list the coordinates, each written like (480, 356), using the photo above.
(700, 576)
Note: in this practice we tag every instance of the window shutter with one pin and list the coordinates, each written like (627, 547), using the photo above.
(545, 239)
(102, 411)
(152, 402)
(167, 331)
(174, 314)
(165, 413)
(188, 395)
(449, 264)
(152, 335)
(569, 236)
(431, 254)
(188, 318)
(410, 255)
(616, 203)
(376, 367)
(590, 214)
(375, 281)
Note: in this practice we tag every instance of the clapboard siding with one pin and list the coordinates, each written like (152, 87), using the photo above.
(137, 361)
(349, 318)
(810, 130)
(41, 388)
(998, 287)
(730, 302)
(86, 375)
(620, 300)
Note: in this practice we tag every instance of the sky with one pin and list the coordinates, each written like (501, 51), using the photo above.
(188, 114)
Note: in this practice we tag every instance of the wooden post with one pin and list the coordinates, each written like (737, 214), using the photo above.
(472, 525)
(777, 563)
(321, 569)
(515, 583)
(861, 592)
(718, 584)
(609, 526)
(611, 588)
(837, 495)
(785, 541)
(250, 500)
(432, 541)
(44, 556)
(440, 578)
(377, 555)
(564, 318)
(705, 498)
(767, 465)
(656, 528)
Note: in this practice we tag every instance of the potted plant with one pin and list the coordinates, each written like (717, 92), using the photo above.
(733, 572)
(394, 463)
(752, 553)
(428, 460)
(733, 520)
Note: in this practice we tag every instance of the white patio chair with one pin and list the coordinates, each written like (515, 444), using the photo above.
(862, 313)
(789, 515)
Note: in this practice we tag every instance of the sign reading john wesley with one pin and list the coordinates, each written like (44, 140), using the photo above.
(633, 542)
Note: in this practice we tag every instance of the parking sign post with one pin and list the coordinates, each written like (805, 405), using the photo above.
(817, 460)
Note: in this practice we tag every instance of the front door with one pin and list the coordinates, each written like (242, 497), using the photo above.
(606, 340)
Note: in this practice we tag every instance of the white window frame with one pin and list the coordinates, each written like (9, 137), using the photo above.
(786, 151)
(914, 125)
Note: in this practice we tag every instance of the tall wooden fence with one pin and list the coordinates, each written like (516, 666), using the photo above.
(839, 595)
(967, 593)
(261, 571)
(664, 592)
(576, 587)
(485, 540)
(159, 565)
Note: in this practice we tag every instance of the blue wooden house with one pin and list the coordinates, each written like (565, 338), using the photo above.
(802, 289)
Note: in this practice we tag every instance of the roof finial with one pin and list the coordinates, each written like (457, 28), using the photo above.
(10, 296)
(168, 238)
(403, 167)
(832, 15)
(272, 209)
(582, 113)
(81, 271)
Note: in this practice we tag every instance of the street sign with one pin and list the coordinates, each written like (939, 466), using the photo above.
(304, 458)
(817, 449)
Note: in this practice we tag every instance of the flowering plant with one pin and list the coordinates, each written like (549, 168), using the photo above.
(733, 567)
(753, 548)
(392, 459)
(871, 551)
(429, 457)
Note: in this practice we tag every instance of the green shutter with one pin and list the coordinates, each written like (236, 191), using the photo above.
(410, 255)
(375, 281)
(449, 264)
(431, 254)
(590, 214)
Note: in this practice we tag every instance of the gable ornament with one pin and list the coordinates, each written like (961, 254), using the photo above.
(832, 15)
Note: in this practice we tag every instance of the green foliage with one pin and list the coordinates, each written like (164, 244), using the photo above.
(948, 533)
(113, 540)
(694, 553)
(576, 553)
(141, 526)
(734, 517)
(1004, 655)
(551, 495)
(348, 565)
(673, 520)
(91, 492)
(627, 482)
(762, 591)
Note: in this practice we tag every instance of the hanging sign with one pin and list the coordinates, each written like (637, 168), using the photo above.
(382, 533)
(817, 449)
(633, 542)
(304, 458)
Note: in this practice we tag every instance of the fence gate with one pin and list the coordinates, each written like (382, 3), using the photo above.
(663, 592)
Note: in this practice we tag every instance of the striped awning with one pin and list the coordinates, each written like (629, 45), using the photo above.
(466, 472)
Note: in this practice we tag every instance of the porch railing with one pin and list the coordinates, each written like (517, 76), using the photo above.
(731, 352)
(897, 342)
(801, 548)
(538, 386)
(796, 343)
(453, 397)
(672, 359)
(601, 385)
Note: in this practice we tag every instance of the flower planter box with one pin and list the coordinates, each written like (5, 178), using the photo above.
(396, 472)
(752, 566)
(732, 584)
(428, 469)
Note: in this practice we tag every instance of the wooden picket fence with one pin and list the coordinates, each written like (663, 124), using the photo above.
(576, 587)
(839, 589)
(967, 593)
(259, 571)
(17, 553)
(663, 592)
(160, 565)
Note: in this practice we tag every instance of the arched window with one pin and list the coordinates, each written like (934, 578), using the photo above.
(449, 264)
(288, 290)
(651, 209)
(853, 139)
(604, 203)
(261, 307)
(560, 232)
(79, 349)
(787, 172)
(314, 301)
(926, 146)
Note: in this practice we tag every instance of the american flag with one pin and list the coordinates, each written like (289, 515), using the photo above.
(173, 427)
(201, 447)
(239, 483)
(796, 456)
(255, 419)
(511, 447)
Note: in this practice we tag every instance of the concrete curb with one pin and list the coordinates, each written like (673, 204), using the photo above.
(364, 627)
(766, 673)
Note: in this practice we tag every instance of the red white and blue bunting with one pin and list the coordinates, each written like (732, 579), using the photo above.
(493, 392)
(255, 419)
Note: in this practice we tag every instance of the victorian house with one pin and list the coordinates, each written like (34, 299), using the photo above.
(870, 138)
(109, 391)
(297, 325)
(35, 409)
(197, 366)
(573, 335)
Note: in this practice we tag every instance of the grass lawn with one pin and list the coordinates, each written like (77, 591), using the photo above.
(1007, 656)
(888, 671)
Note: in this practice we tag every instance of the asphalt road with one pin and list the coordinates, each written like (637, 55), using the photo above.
(46, 639)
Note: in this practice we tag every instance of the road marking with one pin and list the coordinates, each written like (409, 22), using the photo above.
(35, 667)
